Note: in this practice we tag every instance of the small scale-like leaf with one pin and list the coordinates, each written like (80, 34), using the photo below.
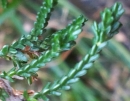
(56, 86)
(33, 70)
(72, 72)
(4, 75)
(1, 54)
(94, 49)
(20, 46)
(81, 73)
(107, 30)
(26, 68)
(46, 86)
(12, 50)
(87, 66)
(29, 79)
(102, 45)
(66, 87)
(34, 62)
(74, 34)
(68, 46)
(56, 93)
(93, 58)
(28, 36)
(78, 66)
(45, 90)
(72, 80)
(25, 75)
(118, 15)
(115, 26)
(63, 80)
(21, 57)
(95, 26)
(5, 49)
(20, 71)
(41, 64)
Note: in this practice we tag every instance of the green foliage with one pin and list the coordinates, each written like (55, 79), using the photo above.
(3, 94)
(110, 24)
(42, 18)
(4, 3)
(23, 50)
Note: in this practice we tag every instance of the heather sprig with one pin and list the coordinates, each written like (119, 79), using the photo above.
(102, 35)
(51, 46)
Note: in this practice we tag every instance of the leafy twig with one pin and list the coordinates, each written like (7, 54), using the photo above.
(102, 35)
(51, 46)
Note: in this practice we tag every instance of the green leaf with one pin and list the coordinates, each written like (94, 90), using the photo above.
(102, 45)
(1, 54)
(66, 87)
(72, 80)
(81, 73)
(33, 70)
(74, 35)
(25, 74)
(12, 50)
(25, 94)
(63, 80)
(29, 79)
(93, 58)
(21, 57)
(5, 50)
(56, 93)
(107, 17)
(46, 87)
(87, 66)
(115, 26)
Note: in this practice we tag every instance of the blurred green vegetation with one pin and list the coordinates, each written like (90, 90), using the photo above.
(107, 80)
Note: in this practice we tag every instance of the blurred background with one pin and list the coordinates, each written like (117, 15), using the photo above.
(107, 80)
